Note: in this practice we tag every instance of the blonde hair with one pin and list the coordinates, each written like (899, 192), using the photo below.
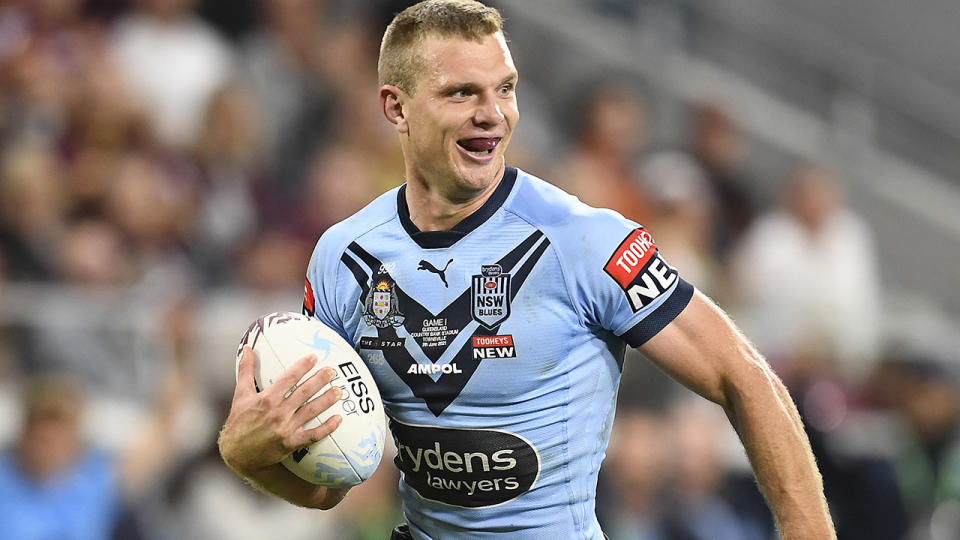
(400, 61)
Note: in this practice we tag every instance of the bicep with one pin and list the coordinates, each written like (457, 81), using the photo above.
(702, 349)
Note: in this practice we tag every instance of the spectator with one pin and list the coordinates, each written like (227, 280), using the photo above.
(681, 215)
(151, 204)
(808, 282)
(703, 491)
(30, 211)
(175, 61)
(107, 114)
(925, 395)
(51, 484)
(600, 169)
(56, 484)
(230, 159)
(272, 261)
(288, 68)
(633, 477)
(92, 253)
(202, 500)
(326, 198)
(44, 46)
(719, 148)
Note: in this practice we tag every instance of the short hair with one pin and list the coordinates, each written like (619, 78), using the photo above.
(52, 393)
(400, 61)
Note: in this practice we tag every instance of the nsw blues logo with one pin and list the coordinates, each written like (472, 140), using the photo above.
(380, 309)
(490, 296)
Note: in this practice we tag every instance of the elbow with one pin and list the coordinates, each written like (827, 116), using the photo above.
(326, 504)
(750, 379)
(328, 498)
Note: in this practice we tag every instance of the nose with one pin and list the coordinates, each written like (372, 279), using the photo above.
(488, 112)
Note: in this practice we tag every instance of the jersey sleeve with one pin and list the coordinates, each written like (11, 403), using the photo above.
(320, 286)
(621, 282)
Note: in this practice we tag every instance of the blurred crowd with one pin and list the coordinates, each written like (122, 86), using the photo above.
(167, 165)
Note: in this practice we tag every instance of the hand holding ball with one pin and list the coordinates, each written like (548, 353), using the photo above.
(350, 454)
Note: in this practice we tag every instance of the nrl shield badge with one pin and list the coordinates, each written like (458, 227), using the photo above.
(380, 308)
(490, 298)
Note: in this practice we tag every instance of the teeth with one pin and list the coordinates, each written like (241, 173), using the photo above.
(478, 153)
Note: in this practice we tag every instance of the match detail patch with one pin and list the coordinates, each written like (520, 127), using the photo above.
(639, 269)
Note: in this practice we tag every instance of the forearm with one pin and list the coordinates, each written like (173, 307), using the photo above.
(264, 427)
(278, 481)
(703, 349)
(760, 409)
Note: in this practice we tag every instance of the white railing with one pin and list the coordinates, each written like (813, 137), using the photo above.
(913, 210)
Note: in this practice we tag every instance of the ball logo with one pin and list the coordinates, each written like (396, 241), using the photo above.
(320, 345)
(470, 468)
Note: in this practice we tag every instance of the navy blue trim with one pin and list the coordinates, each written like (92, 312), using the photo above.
(521, 275)
(661, 317)
(440, 393)
(357, 272)
(445, 239)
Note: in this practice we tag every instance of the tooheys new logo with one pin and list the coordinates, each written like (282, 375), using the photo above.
(637, 266)
(472, 468)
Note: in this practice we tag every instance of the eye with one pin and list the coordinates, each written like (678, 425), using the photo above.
(460, 94)
(506, 89)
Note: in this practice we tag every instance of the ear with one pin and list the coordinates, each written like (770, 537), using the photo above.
(392, 100)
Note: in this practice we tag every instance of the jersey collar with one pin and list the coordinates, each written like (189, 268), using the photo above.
(445, 239)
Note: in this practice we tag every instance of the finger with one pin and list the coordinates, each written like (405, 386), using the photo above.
(316, 406)
(291, 376)
(246, 380)
(311, 386)
(307, 436)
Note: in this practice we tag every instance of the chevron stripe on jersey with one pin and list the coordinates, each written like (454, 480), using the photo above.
(439, 393)
(500, 370)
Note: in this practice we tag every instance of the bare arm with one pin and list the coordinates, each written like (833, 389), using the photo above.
(265, 427)
(702, 349)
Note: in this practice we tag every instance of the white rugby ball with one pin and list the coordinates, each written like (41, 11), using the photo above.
(350, 454)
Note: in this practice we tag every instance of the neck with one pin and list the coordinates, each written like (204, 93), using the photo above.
(433, 208)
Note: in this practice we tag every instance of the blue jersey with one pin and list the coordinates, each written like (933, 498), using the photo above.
(81, 503)
(497, 348)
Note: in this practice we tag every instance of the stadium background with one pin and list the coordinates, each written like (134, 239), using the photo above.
(166, 166)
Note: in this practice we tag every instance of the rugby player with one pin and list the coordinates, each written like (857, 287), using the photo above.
(493, 310)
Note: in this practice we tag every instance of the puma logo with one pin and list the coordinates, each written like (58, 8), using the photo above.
(425, 265)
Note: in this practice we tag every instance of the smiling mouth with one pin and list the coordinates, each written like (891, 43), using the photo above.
(480, 146)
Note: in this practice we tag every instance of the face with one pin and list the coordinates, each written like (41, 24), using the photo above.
(51, 440)
(456, 126)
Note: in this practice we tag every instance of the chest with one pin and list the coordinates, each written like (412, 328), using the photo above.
(474, 329)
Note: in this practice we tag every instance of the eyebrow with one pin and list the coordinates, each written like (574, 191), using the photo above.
(474, 87)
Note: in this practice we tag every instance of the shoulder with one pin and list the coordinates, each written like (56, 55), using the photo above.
(336, 238)
(566, 220)
(549, 207)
